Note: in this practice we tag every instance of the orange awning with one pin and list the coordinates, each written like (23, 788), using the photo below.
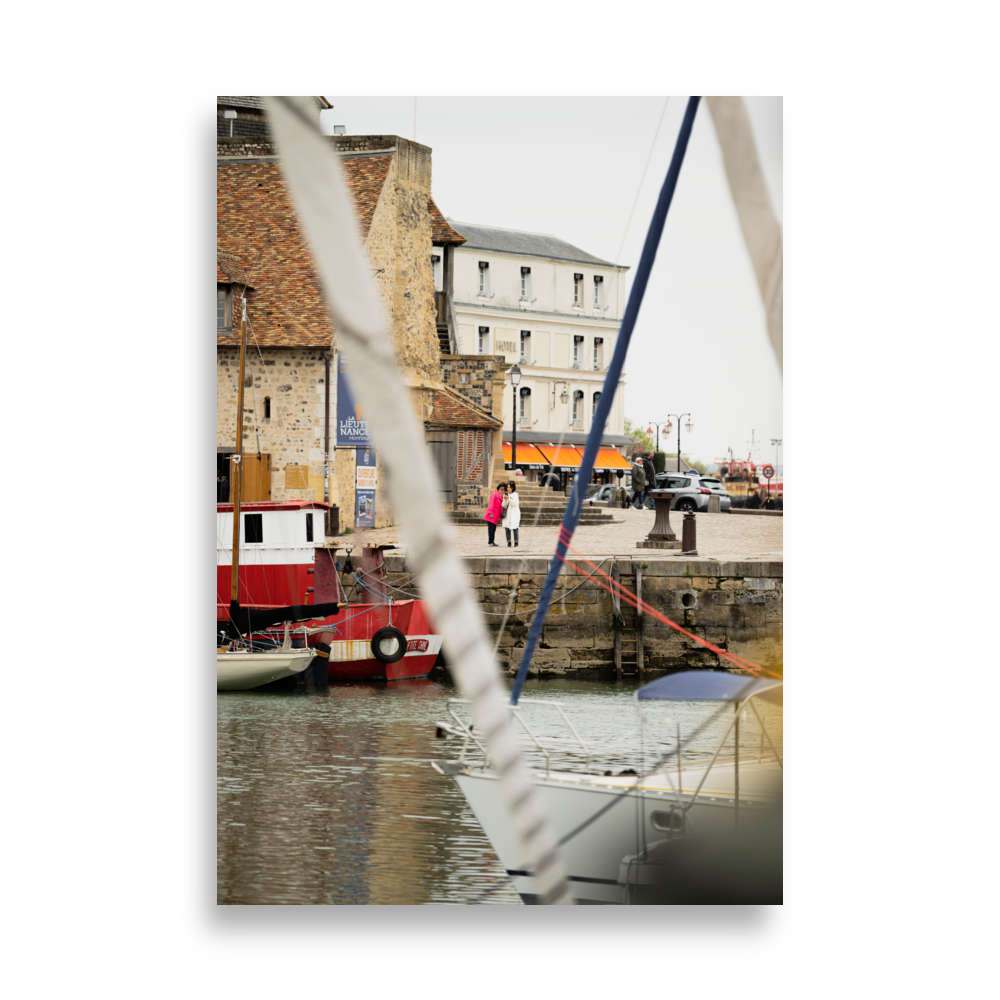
(564, 457)
(527, 454)
(609, 459)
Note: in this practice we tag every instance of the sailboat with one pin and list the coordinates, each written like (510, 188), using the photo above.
(242, 664)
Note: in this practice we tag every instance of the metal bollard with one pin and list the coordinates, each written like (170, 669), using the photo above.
(689, 540)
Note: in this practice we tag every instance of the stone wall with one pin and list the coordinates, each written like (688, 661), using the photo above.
(735, 605)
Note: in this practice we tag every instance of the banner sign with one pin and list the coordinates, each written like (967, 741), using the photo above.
(364, 491)
(352, 428)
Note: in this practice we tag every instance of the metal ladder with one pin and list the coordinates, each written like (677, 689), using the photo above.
(628, 625)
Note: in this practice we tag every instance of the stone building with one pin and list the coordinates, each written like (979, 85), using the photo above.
(290, 376)
(554, 310)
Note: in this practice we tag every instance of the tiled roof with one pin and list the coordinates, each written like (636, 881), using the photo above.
(229, 269)
(257, 225)
(258, 102)
(524, 244)
(452, 410)
(365, 176)
(442, 234)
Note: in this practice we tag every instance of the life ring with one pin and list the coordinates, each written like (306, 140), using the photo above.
(382, 644)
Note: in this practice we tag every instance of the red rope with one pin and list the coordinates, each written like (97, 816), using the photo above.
(636, 602)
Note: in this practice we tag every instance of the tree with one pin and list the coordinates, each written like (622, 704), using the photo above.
(641, 441)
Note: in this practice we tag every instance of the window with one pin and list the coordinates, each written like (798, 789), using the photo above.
(484, 279)
(578, 408)
(438, 270)
(525, 347)
(577, 351)
(267, 407)
(593, 409)
(484, 340)
(309, 527)
(524, 408)
(598, 353)
(224, 315)
(253, 529)
(578, 289)
(465, 378)
(598, 292)
(525, 284)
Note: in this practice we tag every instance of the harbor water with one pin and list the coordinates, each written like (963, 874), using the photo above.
(328, 797)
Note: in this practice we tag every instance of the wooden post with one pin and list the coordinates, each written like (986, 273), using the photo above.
(638, 619)
(234, 593)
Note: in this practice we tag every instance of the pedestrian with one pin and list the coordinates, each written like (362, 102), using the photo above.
(650, 470)
(512, 513)
(638, 483)
(753, 501)
(222, 488)
(494, 512)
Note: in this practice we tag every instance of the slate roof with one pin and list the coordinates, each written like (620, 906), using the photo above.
(257, 103)
(450, 409)
(442, 234)
(257, 226)
(525, 244)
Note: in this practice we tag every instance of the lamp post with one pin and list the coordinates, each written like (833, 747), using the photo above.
(656, 437)
(515, 377)
(688, 427)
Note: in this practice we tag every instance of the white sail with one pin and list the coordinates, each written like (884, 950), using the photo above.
(320, 195)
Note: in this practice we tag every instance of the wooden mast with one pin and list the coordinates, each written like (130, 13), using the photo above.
(234, 593)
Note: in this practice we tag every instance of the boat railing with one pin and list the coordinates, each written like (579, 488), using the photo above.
(544, 744)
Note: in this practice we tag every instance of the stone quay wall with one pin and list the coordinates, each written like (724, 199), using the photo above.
(734, 605)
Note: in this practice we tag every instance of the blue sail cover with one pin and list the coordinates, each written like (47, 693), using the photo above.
(705, 685)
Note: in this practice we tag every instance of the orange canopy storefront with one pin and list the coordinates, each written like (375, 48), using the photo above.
(608, 460)
(527, 454)
(565, 457)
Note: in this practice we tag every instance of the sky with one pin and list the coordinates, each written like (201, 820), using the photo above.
(574, 167)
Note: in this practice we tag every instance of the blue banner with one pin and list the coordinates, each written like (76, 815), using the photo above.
(364, 492)
(352, 427)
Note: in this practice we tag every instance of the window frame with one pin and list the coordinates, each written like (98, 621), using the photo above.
(225, 292)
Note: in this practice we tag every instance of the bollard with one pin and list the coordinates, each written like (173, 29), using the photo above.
(689, 540)
(714, 505)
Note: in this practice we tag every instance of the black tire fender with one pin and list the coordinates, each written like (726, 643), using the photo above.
(388, 633)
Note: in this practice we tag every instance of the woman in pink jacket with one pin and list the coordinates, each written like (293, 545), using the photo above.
(494, 511)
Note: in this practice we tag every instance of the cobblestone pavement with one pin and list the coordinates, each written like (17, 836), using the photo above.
(720, 536)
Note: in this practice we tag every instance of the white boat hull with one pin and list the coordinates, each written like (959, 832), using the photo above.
(592, 858)
(245, 671)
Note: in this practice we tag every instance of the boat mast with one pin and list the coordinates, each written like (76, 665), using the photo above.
(234, 593)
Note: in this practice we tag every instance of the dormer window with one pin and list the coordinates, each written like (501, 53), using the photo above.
(525, 284)
(598, 291)
(578, 289)
(224, 315)
(484, 279)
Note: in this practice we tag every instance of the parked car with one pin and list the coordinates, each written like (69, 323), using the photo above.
(599, 491)
(693, 491)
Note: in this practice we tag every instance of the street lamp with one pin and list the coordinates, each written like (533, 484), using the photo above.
(688, 427)
(515, 377)
(656, 437)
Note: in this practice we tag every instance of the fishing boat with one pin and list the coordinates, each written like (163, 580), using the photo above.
(241, 663)
(630, 837)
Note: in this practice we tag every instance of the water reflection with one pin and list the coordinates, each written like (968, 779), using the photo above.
(329, 797)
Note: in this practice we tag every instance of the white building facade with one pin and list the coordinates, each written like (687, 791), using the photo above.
(554, 310)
